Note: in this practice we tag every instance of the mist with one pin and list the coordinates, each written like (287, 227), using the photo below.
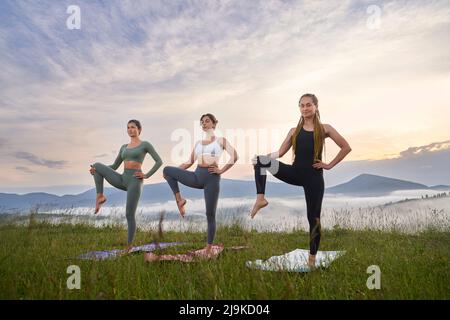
(403, 211)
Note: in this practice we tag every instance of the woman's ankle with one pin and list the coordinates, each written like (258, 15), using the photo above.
(260, 197)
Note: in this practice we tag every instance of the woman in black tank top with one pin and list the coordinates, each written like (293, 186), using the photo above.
(307, 141)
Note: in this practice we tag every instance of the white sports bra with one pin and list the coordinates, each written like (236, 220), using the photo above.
(213, 149)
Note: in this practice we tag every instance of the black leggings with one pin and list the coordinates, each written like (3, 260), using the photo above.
(310, 179)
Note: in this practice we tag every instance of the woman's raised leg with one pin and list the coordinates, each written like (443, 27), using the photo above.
(113, 177)
(278, 169)
(173, 175)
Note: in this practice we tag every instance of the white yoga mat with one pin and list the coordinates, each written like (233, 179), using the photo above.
(295, 261)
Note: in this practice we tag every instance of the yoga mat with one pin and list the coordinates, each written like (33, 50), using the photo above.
(193, 255)
(295, 261)
(190, 256)
(109, 254)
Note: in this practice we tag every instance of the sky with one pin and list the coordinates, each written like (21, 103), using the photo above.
(381, 71)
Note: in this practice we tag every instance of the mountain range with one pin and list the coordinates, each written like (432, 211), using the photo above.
(362, 185)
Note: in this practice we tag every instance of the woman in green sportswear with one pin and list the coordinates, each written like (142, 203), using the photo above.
(131, 180)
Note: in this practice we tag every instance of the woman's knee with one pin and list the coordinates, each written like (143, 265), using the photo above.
(313, 220)
(98, 165)
(211, 208)
(100, 168)
(167, 171)
(315, 226)
(211, 216)
(130, 215)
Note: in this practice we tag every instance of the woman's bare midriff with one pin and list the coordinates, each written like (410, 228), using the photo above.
(132, 165)
(206, 161)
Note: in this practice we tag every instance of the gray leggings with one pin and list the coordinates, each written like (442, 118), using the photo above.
(199, 179)
(127, 182)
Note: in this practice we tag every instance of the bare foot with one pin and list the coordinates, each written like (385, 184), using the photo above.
(98, 203)
(181, 203)
(259, 204)
(151, 257)
(127, 250)
(312, 262)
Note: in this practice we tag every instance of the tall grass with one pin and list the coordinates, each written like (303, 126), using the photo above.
(34, 257)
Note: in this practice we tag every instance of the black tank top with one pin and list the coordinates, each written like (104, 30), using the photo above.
(304, 149)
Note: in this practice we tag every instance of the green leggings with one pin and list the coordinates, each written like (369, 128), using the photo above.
(127, 182)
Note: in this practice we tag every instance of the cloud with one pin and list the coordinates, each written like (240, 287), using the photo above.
(101, 155)
(58, 164)
(150, 57)
(423, 150)
(24, 169)
(426, 164)
(167, 62)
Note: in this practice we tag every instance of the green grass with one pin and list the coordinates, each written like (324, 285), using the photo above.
(34, 260)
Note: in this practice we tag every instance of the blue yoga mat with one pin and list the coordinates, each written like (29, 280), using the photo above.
(109, 254)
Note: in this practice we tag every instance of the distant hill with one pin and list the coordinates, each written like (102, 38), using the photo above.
(440, 187)
(369, 184)
(362, 185)
(427, 164)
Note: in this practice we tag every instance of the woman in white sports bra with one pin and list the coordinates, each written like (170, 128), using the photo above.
(207, 174)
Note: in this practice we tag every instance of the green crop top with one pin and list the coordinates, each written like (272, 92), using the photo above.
(138, 154)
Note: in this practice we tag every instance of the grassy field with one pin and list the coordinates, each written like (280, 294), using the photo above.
(34, 260)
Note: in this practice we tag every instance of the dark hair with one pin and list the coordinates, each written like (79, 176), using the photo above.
(209, 115)
(137, 123)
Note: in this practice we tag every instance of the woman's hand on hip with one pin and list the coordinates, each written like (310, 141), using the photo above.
(139, 175)
(214, 169)
(321, 165)
(92, 170)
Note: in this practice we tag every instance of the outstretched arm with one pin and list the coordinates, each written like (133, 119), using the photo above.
(341, 142)
(118, 160)
(156, 157)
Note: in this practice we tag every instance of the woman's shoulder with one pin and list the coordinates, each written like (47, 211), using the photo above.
(146, 144)
(222, 141)
(327, 128)
(292, 131)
